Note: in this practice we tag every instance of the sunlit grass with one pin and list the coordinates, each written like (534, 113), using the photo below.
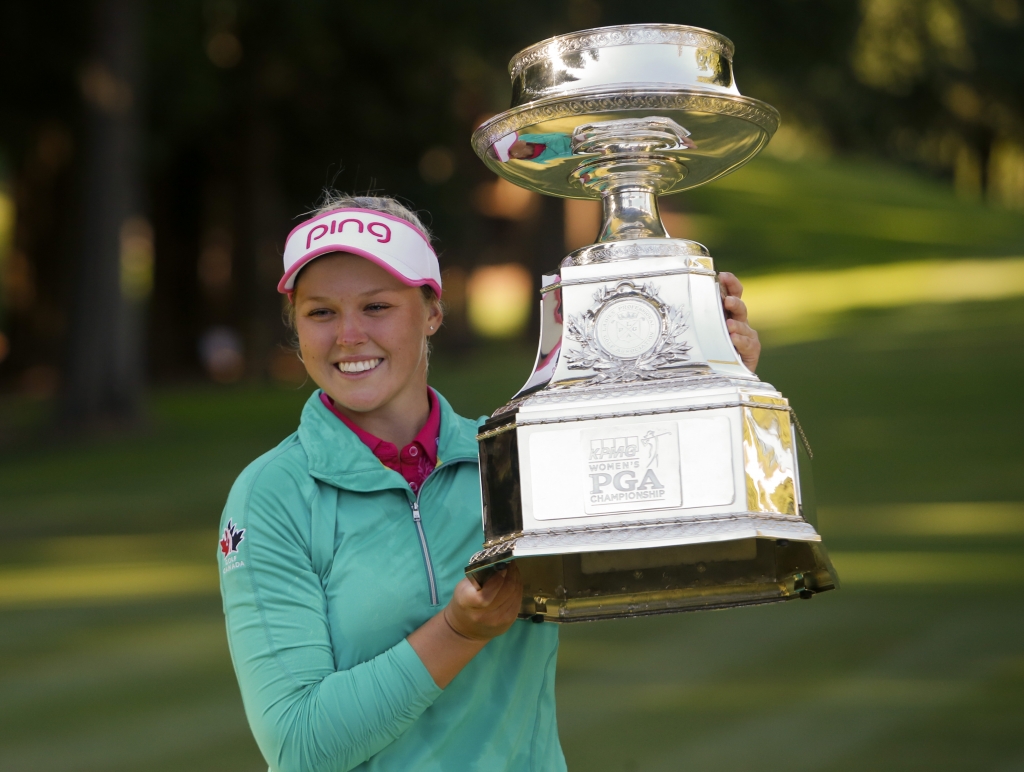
(954, 569)
(119, 688)
(62, 585)
(990, 519)
(800, 305)
(91, 570)
(772, 215)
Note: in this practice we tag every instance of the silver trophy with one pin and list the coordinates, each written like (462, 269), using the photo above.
(642, 469)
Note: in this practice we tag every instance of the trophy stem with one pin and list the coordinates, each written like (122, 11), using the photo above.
(631, 212)
(629, 184)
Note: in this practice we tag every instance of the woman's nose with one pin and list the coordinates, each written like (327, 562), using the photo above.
(350, 330)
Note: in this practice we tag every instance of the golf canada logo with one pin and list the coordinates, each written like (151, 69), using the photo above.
(233, 536)
(632, 467)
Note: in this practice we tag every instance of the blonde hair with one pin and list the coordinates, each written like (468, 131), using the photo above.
(332, 199)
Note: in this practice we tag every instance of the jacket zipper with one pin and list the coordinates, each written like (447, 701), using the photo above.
(415, 507)
(426, 552)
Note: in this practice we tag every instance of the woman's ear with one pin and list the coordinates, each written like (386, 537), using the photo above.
(435, 316)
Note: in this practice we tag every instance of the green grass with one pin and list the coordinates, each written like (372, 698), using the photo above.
(861, 680)
(121, 688)
(773, 216)
(912, 405)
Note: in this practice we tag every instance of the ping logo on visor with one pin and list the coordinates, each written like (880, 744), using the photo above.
(395, 245)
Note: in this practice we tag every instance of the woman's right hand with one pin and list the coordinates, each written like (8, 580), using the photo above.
(480, 614)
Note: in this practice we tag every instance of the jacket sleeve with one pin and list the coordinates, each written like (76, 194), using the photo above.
(305, 714)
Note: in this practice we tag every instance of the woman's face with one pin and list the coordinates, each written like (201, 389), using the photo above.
(520, 149)
(363, 333)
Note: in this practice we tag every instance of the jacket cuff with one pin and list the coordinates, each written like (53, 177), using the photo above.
(416, 674)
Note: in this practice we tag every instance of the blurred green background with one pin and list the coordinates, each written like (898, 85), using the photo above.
(881, 242)
(112, 650)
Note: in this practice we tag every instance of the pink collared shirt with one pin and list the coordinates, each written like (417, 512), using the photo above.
(417, 459)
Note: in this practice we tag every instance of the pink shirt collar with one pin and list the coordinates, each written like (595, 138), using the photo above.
(417, 459)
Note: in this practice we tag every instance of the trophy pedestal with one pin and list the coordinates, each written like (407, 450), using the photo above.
(642, 469)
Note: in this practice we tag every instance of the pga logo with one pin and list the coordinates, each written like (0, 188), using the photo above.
(620, 457)
(634, 468)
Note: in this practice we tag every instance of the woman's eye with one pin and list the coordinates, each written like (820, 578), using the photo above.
(319, 312)
(377, 306)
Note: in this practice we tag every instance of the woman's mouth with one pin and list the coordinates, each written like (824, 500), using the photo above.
(361, 366)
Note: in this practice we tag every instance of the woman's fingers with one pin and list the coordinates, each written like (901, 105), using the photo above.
(735, 308)
(501, 586)
(505, 613)
(745, 341)
(491, 589)
(469, 596)
(730, 284)
(744, 337)
(740, 327)
(485, 613)
(513, 586)
(504, 607)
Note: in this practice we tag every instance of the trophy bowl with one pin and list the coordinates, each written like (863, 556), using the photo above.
(642, 468)
(683, 74)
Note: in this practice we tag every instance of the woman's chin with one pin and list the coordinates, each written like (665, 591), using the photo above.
(358, 401)
(360, 397)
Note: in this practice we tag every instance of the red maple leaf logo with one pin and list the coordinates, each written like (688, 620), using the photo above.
(232, 538)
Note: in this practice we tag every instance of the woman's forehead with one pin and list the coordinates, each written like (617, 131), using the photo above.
(345, 273)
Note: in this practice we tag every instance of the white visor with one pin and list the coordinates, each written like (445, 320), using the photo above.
(503, 145)
(395, 245)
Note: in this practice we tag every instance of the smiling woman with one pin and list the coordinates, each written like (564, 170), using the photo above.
(362, 336)
(357, 640)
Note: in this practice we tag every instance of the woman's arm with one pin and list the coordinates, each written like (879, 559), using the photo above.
(305, 714)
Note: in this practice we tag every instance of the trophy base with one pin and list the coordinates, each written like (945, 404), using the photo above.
(606, 520)
(617, 583)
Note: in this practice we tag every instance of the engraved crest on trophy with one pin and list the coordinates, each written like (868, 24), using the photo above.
(629, 335)
(642, 468)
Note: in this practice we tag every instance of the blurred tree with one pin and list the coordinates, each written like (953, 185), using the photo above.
(114, 243)
(257, 104)
(954, 79)
(38, 137)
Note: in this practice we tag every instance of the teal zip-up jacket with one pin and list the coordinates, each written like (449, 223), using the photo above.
(328, 561)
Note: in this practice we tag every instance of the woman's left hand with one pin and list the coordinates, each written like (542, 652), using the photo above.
(744, 337)
(451, 638)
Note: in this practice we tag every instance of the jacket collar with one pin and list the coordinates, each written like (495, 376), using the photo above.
(337, 456)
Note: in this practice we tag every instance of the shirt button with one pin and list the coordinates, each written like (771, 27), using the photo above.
(413, 451)
(414, 486)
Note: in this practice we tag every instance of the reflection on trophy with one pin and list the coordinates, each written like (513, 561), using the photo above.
(642, 469)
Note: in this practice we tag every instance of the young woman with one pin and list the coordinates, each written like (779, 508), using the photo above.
(357, 641)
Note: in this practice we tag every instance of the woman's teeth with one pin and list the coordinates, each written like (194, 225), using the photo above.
(360, 366)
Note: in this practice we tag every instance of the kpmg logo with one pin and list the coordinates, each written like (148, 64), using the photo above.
(615, 448)
(630, 471)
